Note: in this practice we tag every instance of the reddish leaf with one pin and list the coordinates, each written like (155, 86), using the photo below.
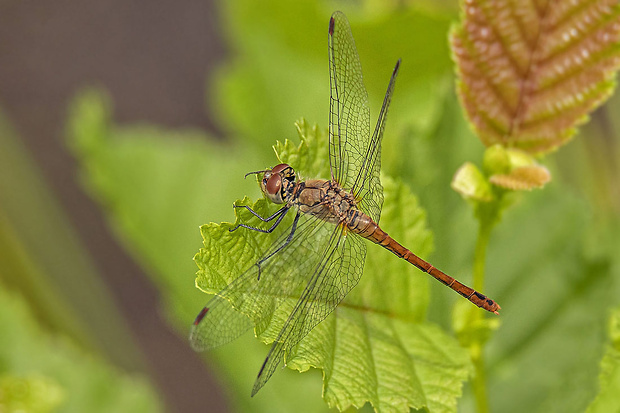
(531, 72)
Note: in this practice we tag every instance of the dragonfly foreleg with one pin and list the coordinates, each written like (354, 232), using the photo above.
(280, 213)
(281, 247)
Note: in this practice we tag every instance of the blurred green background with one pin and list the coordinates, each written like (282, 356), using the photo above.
(124, 126)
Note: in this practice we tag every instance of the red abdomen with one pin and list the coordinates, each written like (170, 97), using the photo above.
(362, 224)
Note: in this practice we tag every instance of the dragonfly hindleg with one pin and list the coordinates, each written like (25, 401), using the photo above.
(281, 247)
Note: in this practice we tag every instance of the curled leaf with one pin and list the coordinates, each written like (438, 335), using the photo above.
(531, 72)
(496, 160)
(509, 169)
(514, 169)
(522, 178)
(471, 183)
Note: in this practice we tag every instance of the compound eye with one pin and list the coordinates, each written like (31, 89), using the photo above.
(279, 168)
(274, 183)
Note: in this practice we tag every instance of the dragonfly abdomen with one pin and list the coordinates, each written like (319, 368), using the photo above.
(363, 225)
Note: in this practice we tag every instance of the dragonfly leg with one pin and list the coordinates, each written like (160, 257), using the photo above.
(281, 247)
(279, 214)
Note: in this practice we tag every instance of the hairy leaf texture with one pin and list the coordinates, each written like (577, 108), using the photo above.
(522, 178)
(530, 72)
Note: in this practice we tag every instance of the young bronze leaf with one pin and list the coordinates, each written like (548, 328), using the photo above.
(531, 72)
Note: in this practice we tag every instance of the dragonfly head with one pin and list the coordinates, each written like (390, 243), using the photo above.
(278, 183)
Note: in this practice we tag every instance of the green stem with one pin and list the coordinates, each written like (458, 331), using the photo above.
(484, 234)
(479, 383)
(476, 346)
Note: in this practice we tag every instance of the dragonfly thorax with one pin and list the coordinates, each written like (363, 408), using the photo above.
(278, 183)
(325, 200)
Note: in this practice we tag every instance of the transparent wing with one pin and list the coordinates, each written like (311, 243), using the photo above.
(355, 156)
(367, 185)
(335, 275)
(251, 300)
(349, 114)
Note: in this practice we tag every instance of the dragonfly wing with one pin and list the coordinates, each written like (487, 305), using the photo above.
(217, 324)
(367, 185)
(355, 156)
(335, 275)
(349, 114)
(251, 300)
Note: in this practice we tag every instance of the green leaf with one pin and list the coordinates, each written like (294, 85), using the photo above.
(42, 372)
(376, 346)
(392, 363)
(607, 400)
(472, 184)
(530, 73)
(157, 186)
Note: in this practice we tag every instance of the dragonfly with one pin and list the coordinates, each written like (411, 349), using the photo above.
(320, 257)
